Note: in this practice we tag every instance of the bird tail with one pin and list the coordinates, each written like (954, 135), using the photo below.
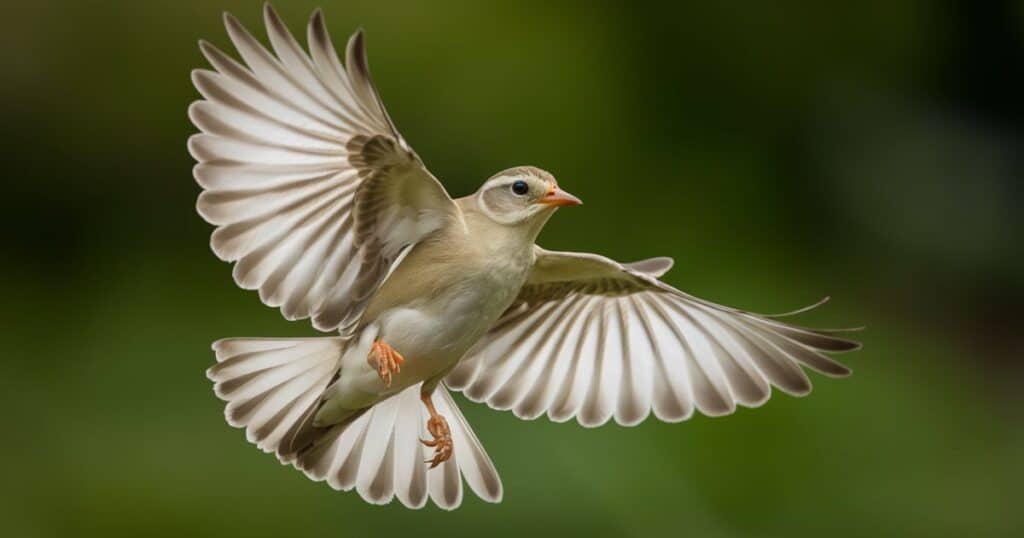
(378, 452)
(273, 387)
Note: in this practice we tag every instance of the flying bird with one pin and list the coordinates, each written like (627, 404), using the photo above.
(326, 210)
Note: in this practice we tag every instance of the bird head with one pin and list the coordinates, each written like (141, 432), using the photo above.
(522, 195)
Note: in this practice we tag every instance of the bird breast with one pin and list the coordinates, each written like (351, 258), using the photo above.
(442, 298)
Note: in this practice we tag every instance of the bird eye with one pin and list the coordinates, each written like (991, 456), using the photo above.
(520, 187)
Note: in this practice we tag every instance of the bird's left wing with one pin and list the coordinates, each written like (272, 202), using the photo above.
(593, 338)
(313, 191)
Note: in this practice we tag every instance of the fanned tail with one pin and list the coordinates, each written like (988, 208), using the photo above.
(378, 452)
(273, 387)
(272, 384)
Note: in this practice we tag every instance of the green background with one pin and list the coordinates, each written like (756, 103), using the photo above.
(870, 151)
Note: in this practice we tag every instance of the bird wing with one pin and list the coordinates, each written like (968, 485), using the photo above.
(592, 338)
(313, 192)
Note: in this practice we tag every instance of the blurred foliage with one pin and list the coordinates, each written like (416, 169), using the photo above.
(868, 150)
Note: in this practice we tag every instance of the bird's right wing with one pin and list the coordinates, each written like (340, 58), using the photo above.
(313, 191)
(594, 339)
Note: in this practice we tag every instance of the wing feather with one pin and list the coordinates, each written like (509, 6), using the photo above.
(534, 360)
(234, 85)
(580, 368)
(553, 365)
(313, 192)
(637, 357)
(594, 339)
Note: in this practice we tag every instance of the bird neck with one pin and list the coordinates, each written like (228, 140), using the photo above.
(497, 239)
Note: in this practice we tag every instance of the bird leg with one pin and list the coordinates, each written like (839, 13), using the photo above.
(438, 428)
(386, 360)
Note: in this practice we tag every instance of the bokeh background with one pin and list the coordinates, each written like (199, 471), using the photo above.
(870, 151)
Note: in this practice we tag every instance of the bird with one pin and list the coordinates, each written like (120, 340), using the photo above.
(327, 211)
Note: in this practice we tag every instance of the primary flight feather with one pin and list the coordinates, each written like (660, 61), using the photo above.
(327, 211)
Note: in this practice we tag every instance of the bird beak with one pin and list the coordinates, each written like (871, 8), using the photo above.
(556, 197)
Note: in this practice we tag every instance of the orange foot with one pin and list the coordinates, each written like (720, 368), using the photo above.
(385, 360)
(438, 428)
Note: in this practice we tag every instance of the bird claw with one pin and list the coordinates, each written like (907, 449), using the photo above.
(442, 441)
(386, 360)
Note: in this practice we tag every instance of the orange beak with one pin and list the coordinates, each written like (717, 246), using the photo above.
(556, 197)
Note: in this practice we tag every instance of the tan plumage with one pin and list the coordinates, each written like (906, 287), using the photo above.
(328, 212)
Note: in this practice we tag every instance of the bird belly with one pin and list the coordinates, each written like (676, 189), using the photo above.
(432, 334)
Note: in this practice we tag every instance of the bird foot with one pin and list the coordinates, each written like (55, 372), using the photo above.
(386, 360)
(441, 433)
(442, 442)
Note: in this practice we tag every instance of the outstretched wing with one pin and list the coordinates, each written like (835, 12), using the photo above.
(595, 339)
(313, 191)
